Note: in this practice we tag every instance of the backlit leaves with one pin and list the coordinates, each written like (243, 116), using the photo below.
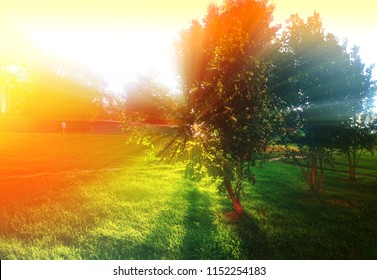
(224, 82)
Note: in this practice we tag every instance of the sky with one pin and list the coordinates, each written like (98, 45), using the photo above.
(123, 39)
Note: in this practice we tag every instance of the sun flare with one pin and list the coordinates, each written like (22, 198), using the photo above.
(119, 55)
(121, 40)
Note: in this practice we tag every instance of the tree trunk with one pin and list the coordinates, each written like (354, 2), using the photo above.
(354, 162)
(308, 181)
(236, 203)
(320, 183)
(352, 171)
(352, 168)
(314, 181)
(314, 176)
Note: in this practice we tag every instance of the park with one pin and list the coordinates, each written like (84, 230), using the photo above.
(266, 150)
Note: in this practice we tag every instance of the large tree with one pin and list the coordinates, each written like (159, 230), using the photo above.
(225, 119)
(321, 88)
(357, 134)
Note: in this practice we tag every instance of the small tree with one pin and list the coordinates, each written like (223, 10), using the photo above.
(355, 138)
(147, 101)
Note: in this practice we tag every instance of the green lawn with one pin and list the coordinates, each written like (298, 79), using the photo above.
(146, 210)
(143, 211)
(292, 223)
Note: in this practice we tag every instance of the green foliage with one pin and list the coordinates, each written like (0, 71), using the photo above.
(224, 72)
(318, 80)
(320, 89)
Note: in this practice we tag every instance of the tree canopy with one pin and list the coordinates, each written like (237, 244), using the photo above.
(224, 70)
(321, 87)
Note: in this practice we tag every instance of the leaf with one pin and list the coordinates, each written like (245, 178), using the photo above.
(234, 118)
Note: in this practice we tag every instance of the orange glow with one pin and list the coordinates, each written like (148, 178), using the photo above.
(119, 39)
(124, 39)
(70, 184)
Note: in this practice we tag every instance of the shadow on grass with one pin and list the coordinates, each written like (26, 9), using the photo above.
(254, 240)
(199, 242)
(186, 229)
(285, 221)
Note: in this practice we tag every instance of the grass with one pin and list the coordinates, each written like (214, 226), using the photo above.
(144, 210)
(291, 223)
(366, 166)
(23, 154)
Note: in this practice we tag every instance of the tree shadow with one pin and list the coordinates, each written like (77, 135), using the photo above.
(185, 230)
(199, 241)
(254, 240)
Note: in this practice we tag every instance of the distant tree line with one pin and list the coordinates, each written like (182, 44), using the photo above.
(54, 90)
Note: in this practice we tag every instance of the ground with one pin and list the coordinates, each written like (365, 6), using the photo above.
(94, 197)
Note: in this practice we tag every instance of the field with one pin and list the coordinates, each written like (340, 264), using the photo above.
(94, 197)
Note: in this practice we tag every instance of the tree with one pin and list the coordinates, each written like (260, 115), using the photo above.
(357, 134)
(16, 67)
(355, 138)
(299, 82)
(112, 107)
(147, 101)
(225, 118)
(321, 88)
(14, 82)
